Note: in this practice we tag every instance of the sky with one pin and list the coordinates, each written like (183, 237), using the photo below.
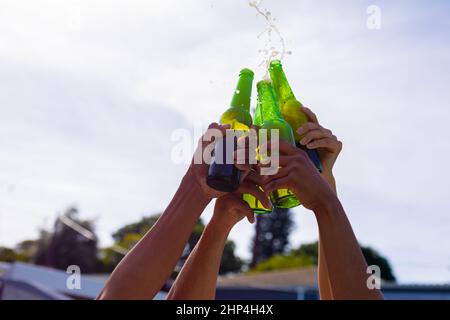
(91, 93)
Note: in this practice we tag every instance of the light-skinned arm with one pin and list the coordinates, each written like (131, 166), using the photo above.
(315, 136)
(144, 270)
(344, 260)
(198, 277)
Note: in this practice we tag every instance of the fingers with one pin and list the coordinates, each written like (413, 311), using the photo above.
(283, 172)
(283, 161)
(213, 132)
(254, 178)
(243, 208)
(315, 134)
(233, 201)
(221, 127)
(250, 215)
(281, 183)
(284, 147)
(311, 115)
(305, 128)
(251, 188)
(330, 144)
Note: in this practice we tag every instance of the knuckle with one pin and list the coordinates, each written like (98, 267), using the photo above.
(300, 158)
(308, 125)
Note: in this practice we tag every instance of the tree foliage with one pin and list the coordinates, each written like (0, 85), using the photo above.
(374, 258)
(272, 235)
(68, 246)
(307, 255)
(230, 261)
(281, 262)
(127, 236)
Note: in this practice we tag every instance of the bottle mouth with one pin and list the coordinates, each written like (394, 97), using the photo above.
(275, 62)
(247, 72)
(264, 82)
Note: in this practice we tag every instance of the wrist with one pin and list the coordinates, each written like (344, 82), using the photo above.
(327, 205)
(217, 228)
(329, 177)
(191, 197)
(191, 183)
(327, 172)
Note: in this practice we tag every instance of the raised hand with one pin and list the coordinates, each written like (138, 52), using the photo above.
(314, 136)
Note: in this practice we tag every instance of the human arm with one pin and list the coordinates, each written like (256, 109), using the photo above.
(198, 277)
(315, 136)
(344, 260)
(143, 271)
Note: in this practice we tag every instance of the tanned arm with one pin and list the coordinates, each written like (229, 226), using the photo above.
(314, 136)
(346, 266)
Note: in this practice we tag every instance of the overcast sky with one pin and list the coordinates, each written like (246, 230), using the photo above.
(91, 91)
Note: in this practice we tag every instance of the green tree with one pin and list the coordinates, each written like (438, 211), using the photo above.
(271, 235)
(24, 252)
(7, 254)
(309, 250)
(230, 262)
(307, 254)
(73, 242)
(374, 258)
(127, 236)
(140, 227)
(40, 255)
(281, 262)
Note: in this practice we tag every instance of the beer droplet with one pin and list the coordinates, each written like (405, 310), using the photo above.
(254, 3)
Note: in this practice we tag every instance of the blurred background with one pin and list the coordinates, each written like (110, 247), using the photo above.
(91, 93)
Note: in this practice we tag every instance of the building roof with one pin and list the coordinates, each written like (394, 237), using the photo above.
(52, 279)
(272, 279)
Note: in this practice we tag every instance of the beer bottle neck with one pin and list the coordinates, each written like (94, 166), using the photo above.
(281, 85)
(269, 109)
(257, 120)
(243, 92)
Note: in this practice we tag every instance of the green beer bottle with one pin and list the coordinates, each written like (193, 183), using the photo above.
(225, 176)
(254, 203)
(291, 108)
(271, 118)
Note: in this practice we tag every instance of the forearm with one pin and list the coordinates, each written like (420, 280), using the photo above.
(323, 275)
(328, 175)
(144, 270)
(325, 291)
(198, 277)
(345, 262)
